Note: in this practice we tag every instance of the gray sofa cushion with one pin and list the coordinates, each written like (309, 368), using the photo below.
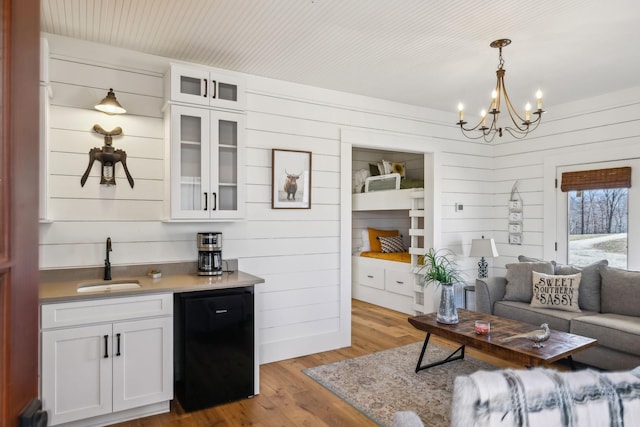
(589, 292)
(524, 258)
(607, 358)
(557, 319)
(519, 279)
(611, 330)
(620, 293)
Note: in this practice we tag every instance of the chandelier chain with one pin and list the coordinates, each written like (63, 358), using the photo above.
(500, 59)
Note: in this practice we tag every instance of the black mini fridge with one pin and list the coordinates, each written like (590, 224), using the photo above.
(214, 347)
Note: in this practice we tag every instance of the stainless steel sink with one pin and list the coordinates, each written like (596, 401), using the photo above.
(113, 285)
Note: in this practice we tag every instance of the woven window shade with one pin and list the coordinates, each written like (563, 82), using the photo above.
(596, 179)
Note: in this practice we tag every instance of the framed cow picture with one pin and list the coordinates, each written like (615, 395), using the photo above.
(290, 179)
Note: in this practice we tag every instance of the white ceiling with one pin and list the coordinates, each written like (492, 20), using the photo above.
(432, 53)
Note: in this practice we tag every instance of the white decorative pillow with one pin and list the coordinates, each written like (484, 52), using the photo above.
(387, 167)
(391, 244)
(556, 291)
(366, 246)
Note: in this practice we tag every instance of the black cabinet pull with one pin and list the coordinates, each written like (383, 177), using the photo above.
(369, 276)
(205, 201)
(106, 346)
(399, 282)
(214, 87)
(215, 201)
(117, 344)
(205, 87)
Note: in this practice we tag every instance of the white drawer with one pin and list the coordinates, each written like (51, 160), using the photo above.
(105, 310)
(370, 275)
(399, 282)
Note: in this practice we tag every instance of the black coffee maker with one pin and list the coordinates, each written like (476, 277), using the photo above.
(210, 254)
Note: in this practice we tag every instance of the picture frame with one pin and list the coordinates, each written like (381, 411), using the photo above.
(290, 179)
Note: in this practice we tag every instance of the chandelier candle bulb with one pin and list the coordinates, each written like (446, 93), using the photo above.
(461, 110)
(539, 98)
(483, 114)
(494, 96)
(527, 112)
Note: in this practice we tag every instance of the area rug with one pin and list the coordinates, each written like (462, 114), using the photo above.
(382, 383)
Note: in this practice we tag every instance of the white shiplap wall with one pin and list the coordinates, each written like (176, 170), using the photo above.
(305, 302)
(598, 129)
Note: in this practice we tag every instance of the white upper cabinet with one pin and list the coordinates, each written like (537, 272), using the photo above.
(206, 157)
(205, 87)
(204, 119)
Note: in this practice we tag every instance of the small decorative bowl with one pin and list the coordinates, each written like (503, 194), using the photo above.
(482, 327)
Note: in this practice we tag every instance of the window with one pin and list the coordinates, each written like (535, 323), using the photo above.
(597, 226)
(596, 215)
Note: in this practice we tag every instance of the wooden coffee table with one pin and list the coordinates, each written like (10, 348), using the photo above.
(560, 345)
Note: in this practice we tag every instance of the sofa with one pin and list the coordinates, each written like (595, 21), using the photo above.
(606, 307)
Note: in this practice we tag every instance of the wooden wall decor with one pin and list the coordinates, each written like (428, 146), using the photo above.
(515, 216)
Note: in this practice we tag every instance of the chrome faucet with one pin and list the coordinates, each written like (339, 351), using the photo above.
(107, 264)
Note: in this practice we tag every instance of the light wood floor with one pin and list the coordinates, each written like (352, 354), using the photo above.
(290, 398)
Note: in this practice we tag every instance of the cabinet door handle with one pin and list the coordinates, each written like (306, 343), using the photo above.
(206, 81)
(117, 344)
(106, 346)
(214, 89)
(399, 282)
(369, 276)
(215, 201)
(205, 201)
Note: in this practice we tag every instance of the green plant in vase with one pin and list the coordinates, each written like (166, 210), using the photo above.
(439, 267)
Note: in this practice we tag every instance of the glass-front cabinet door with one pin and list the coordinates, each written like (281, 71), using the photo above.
(206, 155)
(190, 146)
(204, 87)
(227, 131)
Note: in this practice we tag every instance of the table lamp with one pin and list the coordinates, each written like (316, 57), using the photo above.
(483, 248)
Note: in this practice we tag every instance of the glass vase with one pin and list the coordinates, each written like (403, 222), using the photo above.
(447, 312)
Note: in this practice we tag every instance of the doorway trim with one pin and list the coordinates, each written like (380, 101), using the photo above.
(389, 141)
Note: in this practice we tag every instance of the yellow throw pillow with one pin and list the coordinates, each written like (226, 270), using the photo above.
(559, 292)
(373, 238)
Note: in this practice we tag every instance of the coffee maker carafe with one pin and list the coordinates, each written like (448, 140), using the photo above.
(210, 254)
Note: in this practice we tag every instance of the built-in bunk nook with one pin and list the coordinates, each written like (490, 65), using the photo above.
(389, 232)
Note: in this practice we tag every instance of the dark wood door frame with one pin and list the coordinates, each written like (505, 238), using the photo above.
(19, 170)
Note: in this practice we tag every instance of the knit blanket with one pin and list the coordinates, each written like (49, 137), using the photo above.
(545, 397)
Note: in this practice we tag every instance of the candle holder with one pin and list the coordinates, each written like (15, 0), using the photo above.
(482, 327)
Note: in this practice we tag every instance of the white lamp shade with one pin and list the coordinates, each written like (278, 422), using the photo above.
(483, 248)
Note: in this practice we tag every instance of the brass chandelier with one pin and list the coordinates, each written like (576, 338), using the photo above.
(519, 127)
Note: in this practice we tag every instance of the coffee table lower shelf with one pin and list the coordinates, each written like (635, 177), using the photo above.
(560, 345)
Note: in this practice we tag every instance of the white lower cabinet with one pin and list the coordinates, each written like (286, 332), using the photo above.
(105, 371)
(386, 283)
